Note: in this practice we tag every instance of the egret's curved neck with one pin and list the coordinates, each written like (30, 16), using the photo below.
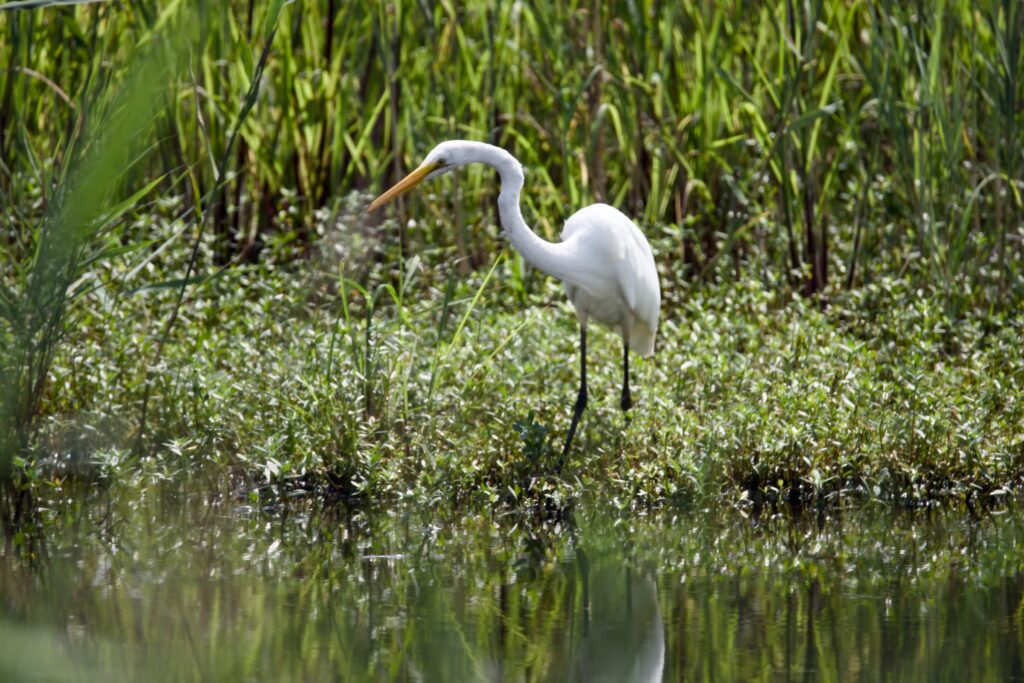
(541, 254)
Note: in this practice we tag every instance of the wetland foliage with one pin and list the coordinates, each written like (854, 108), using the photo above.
(833, 190)
(249, 432)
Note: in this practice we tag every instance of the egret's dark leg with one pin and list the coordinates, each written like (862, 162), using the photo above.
(581, 399)
(627, 400)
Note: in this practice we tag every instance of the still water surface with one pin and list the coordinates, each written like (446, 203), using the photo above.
(164, 586)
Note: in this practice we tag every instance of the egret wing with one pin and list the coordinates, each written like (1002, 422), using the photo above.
(638, 278)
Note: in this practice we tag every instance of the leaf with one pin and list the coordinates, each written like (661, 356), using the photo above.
(8, 309)
(812, 116)
(114, 213)
(178, 283)
(108, 253)
(731, 80)
(39, 4)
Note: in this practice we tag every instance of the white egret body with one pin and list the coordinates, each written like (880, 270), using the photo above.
(603, 260)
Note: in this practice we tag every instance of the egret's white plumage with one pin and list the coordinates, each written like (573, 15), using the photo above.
(615, 280)
(603, 260)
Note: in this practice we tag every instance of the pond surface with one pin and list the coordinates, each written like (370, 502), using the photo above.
(157, 585)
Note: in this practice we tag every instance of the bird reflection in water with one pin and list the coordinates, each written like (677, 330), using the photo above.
(623, 636)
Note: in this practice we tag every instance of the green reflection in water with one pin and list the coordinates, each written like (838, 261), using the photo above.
(157, 585)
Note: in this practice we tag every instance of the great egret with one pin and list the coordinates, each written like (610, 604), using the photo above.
(603, 260)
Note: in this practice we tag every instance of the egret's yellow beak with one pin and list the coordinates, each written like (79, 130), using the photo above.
(405, 184)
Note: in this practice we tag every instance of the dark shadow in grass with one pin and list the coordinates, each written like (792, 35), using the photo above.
(535, 475)
(534, 437)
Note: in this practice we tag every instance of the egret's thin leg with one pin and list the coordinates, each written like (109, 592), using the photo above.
(581, 399)
(627, 400)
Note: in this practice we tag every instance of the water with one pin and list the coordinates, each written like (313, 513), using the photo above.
(159, 585)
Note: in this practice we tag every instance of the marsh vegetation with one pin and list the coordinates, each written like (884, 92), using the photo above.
(833, 191)
(190, 292)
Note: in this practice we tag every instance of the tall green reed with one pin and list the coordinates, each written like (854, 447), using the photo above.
(751, 133)
(944, 136)
(57, 254)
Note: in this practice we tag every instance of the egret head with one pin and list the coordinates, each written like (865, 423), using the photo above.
(446, 156)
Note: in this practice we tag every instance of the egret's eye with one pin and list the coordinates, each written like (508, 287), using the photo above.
(441, 163)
